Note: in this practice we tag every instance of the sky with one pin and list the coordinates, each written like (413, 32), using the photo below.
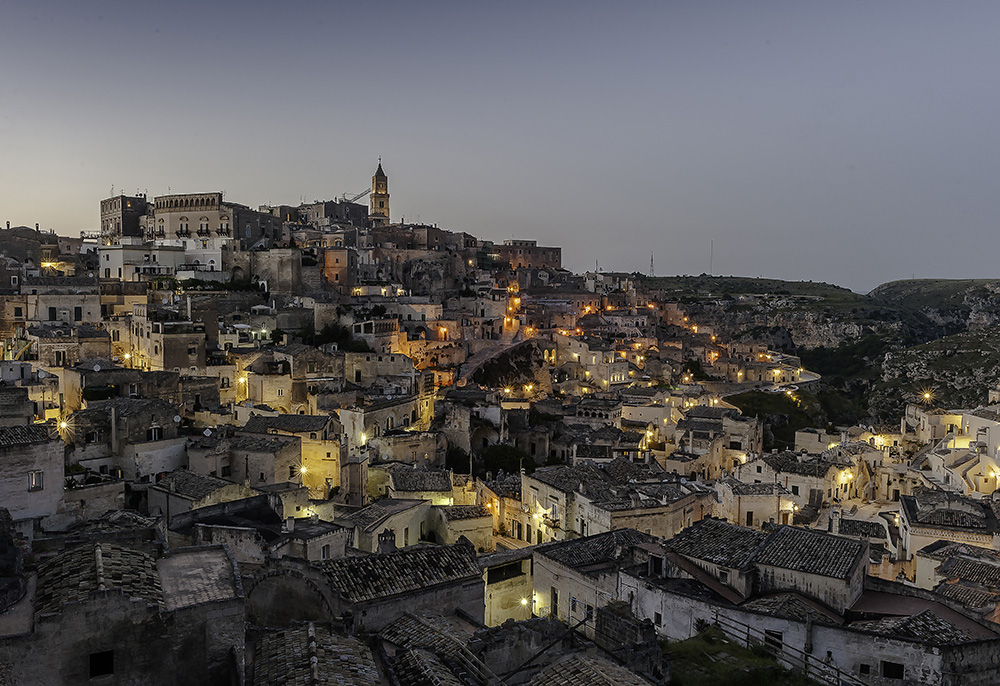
(848, 142)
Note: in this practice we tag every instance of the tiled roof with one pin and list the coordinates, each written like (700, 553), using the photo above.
(313, 656)
(739, 488)
(434, 632)
(942, 549)
(193, 576)
(970, 570)
(925, 626)
(25, 435)
(387, 574)
(414, 480)
(190, 484)
(418, 667)
(587, 670)
(789, 463)
(718, 542)
(863, 528)
(948, 510)
(974, 598)
(506, 486)
(377, 512)
(811, 552)
(792, 606)
(458, 512)
(293, 423)
(131, 407)
(77, 573)
(591, 550)
(261, 443)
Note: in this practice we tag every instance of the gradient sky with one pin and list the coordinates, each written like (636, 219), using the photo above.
(849, 142)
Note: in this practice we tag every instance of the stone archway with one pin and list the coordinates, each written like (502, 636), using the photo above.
(284, 595)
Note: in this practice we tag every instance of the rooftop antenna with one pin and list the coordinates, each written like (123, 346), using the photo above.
(112, 190)
(711, 255)
(652, 272)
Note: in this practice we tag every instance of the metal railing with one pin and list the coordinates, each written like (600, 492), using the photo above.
(792, 658)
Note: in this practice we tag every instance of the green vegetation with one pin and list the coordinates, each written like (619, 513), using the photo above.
(850, 359)
(334, 333)
(505, 457)
(710, 658)
(204, 285)
(721, 286)
(917, 294)
(782, 414)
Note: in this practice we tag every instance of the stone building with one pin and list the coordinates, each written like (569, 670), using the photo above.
(120, 216)
(574, 578)
(104, 613)
(929, 516)
(320, 440)
(31, 480)
(526, 254)
(371, 591)
(378, 213)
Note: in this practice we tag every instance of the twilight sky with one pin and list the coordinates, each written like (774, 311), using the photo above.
(850, 142)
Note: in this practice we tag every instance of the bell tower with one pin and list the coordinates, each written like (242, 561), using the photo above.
(378, 209)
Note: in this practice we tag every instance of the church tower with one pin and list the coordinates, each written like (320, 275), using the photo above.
(378, 212)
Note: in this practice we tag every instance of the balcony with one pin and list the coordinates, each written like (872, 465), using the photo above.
(183, 233)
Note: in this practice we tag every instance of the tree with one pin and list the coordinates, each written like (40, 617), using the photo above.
(506, 457)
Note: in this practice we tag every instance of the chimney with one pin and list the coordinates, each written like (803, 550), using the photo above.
(834, 526)
(387, 541)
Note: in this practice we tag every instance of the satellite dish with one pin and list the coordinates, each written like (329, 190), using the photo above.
(207, 432)
(165, 301)
(90, 275)
(97, 367)
(177, 419)
(41, 374)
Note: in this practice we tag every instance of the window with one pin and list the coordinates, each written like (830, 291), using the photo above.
(281, 392)
(758, 469)
(324, 552)
(36, 480)
(773, 639)
(154, 433)
(102, 663)
(227, 470)
(554, 610)
(892, 670)
(795, 490)
(657, 618)
(291, 471)
(724, 576)
(18, 312)
(866, 669)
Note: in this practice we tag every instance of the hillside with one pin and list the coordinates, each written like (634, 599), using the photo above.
(954, 304)
(875, 351)
(792, 315)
